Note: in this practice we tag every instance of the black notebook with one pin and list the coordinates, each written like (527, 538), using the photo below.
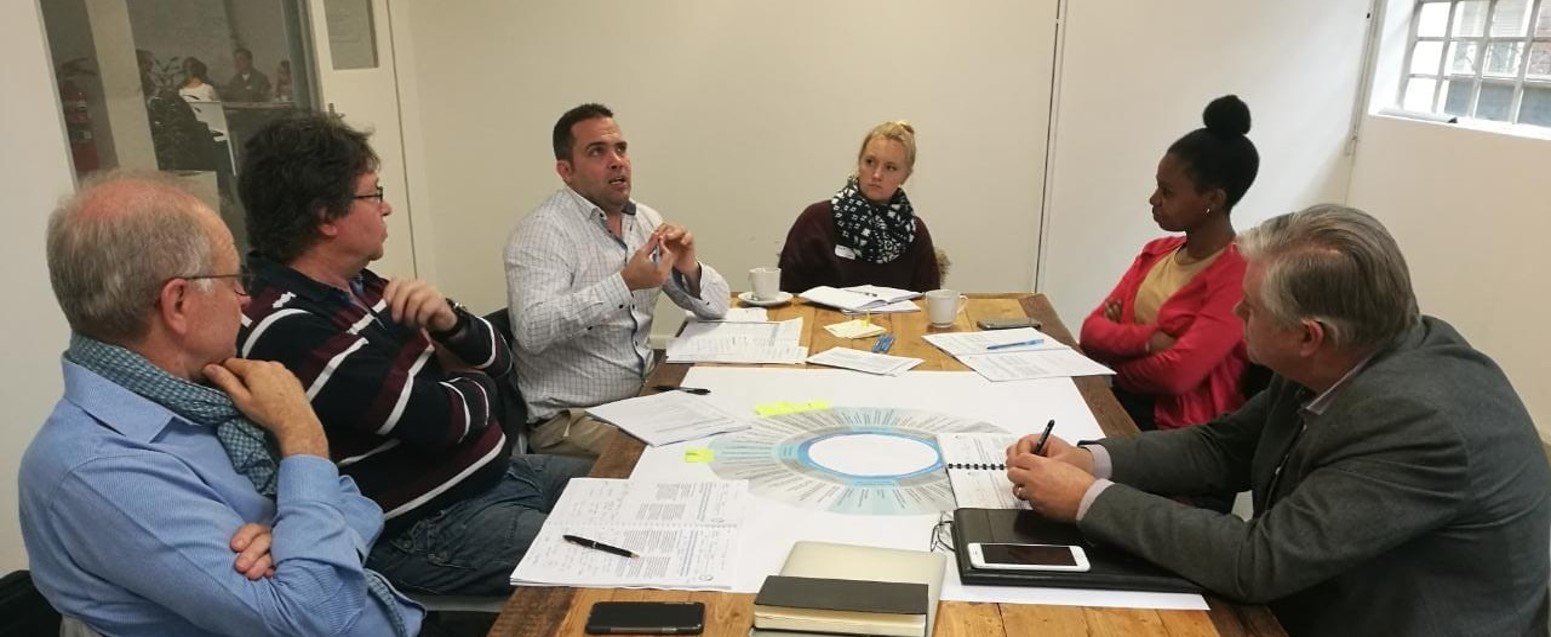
(1110, 568)
(848, 607)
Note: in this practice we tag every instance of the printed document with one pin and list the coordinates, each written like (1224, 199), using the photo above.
(861, 361)
(1025, 365)
(1015, 340)
(724, 342)
(686, 534)
(668, 417)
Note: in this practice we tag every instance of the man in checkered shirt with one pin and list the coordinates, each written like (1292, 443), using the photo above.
(583, 274)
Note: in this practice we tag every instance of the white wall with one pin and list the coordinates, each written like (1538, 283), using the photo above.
(1469, 210)
(31, 181)
(1135, 77)
(739, 115)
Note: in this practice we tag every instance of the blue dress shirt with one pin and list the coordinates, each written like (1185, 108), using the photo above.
(128, 511)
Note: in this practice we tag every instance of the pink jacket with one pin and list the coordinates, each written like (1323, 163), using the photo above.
(1198, 378)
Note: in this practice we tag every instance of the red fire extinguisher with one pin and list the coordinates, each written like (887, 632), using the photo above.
(78, 128)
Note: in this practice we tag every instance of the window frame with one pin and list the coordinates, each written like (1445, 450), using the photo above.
(1441, 76)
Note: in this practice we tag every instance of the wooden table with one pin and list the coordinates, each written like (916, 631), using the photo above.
(563, 611)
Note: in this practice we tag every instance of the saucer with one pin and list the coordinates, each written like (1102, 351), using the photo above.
(782, 298)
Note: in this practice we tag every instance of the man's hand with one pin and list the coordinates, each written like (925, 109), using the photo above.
(1159, 342)
(1112, 311)
(415, 303)
(251, 543)
(641, 273)
(682, 243)
(1055, 449)
(1052, 488)
(269, 395)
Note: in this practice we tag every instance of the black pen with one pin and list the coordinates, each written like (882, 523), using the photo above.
(698, 391)
(594, 544)
(1044, 436)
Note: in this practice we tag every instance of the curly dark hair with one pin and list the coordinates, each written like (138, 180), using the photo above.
(562, 138)
(296, 173)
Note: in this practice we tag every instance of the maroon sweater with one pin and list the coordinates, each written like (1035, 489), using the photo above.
(808, 259)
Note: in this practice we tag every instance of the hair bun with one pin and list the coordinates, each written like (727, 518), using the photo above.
(1227, 115)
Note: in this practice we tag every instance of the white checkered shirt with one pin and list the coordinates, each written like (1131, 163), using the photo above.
(580, 333)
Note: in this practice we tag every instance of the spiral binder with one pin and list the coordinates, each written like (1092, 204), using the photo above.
(976, 466)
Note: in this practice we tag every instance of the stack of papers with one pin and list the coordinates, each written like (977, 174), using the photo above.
(1020, 354)
(668, 417)
(861, 298)
(734, 315)
(733, 342)
(881, 364)
(686, 534)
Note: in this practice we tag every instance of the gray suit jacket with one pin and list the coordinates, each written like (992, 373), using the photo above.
(1419, 503)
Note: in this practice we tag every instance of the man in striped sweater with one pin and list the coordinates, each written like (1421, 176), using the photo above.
(404, 380)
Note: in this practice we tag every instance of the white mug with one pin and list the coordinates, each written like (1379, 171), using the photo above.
(766, 283)
(943, 306)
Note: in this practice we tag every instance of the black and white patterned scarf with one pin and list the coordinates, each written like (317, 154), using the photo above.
(879, 233)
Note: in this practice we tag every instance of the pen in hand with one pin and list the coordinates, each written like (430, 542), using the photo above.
(1040, 448)
(594, 544)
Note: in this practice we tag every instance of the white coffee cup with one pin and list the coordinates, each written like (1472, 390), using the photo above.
(766, 283)
(943, 306)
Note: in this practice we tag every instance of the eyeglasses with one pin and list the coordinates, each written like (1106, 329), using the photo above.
(242, 280)
(376, 195)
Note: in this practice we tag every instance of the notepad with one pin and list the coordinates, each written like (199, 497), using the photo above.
(977, 469)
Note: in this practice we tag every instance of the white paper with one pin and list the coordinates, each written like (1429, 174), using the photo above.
(977, 470)
(969, 343)
(882, 293)
(724, 342)
(898, 307)
(771, 331)
(861, 361)
(734, 315)
(671, 416)
(1009, 366)
(687, 535)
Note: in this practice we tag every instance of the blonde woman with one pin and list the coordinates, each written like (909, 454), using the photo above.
(867, 232)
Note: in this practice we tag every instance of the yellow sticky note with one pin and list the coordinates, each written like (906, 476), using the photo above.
(773, 409)
(782, 408)
(702, 455)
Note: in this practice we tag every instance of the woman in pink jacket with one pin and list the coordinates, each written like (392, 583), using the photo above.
(1168, 328)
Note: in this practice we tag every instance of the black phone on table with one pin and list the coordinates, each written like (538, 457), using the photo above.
(646, 618)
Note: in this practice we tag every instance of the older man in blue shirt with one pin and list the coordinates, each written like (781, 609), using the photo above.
(177, 490)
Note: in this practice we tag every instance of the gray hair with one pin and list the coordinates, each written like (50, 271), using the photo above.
(112, 246)
(1335, 265)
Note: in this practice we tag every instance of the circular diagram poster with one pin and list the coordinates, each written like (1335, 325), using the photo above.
(854, 460)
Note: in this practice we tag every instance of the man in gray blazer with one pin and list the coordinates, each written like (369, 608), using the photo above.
(1398, 482)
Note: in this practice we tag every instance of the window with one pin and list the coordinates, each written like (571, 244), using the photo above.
(1480, 59)
(178, 85)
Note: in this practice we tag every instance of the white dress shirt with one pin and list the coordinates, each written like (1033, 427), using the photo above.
(581, 334)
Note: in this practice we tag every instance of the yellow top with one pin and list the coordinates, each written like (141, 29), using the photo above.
(1166, 277)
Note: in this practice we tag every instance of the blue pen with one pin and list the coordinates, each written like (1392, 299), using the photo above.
(883, 344)
(1018, 344)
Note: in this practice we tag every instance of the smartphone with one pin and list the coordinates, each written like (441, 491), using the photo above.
(646, 618)
(1008, 323)
(1028, 557)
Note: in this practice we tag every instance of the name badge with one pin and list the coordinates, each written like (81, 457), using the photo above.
(845, 252)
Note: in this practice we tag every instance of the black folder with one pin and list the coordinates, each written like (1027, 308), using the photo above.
(1109, 567)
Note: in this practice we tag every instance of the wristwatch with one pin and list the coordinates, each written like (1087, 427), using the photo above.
(462, 315)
